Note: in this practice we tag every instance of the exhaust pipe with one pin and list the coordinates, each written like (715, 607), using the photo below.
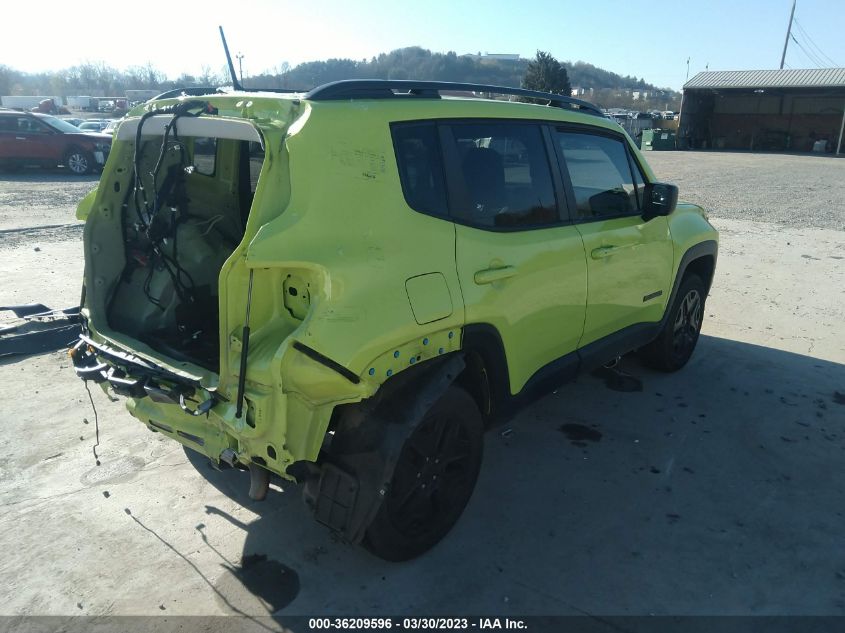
(259, 482)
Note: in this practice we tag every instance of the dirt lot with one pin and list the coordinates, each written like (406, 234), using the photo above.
(717, 490)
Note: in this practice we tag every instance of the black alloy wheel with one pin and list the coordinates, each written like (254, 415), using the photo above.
(433, 480)
(676, 342)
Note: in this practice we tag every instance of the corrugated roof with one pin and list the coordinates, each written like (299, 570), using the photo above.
(789, 78)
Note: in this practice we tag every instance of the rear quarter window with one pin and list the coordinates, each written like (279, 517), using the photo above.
(420, 166)
(205, 155)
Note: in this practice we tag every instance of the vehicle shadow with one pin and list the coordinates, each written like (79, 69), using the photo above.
(715, 490)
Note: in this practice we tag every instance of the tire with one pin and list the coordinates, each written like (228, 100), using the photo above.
(79, 162)
(433, 480)
(676, 342)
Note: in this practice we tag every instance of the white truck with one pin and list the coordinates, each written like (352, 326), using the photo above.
(88, 104)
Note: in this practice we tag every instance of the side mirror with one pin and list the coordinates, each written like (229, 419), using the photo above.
(659, 198)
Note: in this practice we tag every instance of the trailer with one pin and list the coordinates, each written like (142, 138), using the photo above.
(19, 102)
(88, 104)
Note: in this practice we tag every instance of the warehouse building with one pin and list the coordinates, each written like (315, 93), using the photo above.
(764, 110)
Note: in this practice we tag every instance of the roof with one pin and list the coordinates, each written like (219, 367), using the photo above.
(790, 78)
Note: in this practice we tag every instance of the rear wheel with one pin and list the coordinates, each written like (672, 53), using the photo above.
(433, 480)
(676, 342)
(79, 162)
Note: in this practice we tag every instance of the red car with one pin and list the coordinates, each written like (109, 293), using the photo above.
(29, 138)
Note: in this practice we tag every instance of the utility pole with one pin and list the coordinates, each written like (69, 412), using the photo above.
(241, 68)
(788, 31)
(687, 70)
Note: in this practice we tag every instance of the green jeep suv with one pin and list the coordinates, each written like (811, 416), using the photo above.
(344, 287)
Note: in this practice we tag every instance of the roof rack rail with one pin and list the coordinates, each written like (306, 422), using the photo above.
(389, 88)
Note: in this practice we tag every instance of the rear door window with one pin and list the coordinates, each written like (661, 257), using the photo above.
(29, 125)
(504, 176)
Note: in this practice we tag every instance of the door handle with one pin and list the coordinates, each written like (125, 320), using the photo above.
(489, 275)
(20, 138)
(603, 251)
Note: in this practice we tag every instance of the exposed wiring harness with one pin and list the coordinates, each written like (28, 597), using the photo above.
(156, 229)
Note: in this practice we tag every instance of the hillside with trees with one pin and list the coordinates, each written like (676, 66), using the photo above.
(420, 63)
(413, 62)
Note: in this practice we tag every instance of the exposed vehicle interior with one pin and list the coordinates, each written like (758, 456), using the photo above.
(183, 216)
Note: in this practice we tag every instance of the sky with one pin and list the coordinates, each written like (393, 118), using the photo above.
(652, 40)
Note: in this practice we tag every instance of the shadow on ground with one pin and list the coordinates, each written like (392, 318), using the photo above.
(716, 490)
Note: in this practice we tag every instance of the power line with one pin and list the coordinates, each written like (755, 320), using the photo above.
(809, 55)
(812, 43)
(821, 62)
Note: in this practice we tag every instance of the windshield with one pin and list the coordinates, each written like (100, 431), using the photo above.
(58, 124)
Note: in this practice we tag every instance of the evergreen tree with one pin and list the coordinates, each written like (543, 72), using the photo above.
(546, 74)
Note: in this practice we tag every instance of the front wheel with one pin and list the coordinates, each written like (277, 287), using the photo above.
(433, 480)
(79, 162)
(676, 342)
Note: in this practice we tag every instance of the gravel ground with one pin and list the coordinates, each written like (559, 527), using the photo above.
(40, 197)
(717, 490)
(798, 190)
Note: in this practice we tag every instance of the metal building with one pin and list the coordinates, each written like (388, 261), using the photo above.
(764, 110)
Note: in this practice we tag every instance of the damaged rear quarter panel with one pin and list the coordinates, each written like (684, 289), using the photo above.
(359, 307)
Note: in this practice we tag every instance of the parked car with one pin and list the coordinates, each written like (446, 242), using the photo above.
(40, 139)
(110, 127)
(402, 270)
(74, 121)
(92, 125)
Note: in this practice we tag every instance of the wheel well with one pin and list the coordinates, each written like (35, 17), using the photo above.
(703, 267)
(359, 426)
(474, 379)
(485, 376)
